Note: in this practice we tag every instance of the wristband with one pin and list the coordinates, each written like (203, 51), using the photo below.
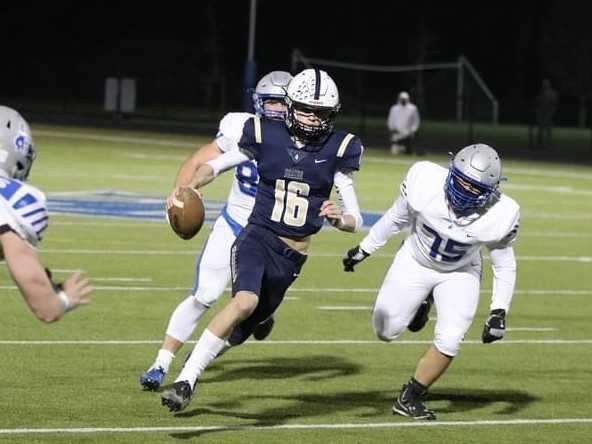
(63, 297)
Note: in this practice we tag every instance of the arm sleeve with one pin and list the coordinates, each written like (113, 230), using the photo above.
(391, 121)
(348, 201)
(227, 161)
(416, 121)
(392, 222)
(229, 133)
(503, 263)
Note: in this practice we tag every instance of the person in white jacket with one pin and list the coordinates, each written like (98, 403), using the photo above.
(451, 214)
(403, 122)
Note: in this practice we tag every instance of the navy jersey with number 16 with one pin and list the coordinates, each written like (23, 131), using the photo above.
(294, 182)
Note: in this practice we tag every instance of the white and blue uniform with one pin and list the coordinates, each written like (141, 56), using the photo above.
(23, 210)
(213, 265)
(441, 255)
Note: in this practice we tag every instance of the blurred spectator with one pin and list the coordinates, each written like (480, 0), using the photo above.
(546, 105)
(403, 122)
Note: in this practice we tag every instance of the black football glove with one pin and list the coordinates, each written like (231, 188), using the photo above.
(57, 286)
(495, 326)
(353, 257)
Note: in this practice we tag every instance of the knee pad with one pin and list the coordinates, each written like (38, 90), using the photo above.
(208, 294)
(448, 343)
(387, 328)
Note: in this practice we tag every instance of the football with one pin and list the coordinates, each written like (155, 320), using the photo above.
(187, 214)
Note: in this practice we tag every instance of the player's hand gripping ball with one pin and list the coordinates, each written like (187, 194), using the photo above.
(187, 214)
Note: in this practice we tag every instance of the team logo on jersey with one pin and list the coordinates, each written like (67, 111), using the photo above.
(296, 155)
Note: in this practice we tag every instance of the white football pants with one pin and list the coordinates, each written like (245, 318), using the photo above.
(407, 284)
(212, 271)
(212, 275)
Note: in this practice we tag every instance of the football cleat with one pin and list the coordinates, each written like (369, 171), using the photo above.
(178, 396)
(152, 379)
(422, 315)
(263, 329)
(411, 406)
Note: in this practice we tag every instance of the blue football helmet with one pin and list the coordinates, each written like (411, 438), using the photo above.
(473, 179)
(272, 86)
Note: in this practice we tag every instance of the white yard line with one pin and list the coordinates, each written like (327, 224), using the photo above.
(339, 426)
(306, 342)
(118, 139)
(536, 292)
(585, 259)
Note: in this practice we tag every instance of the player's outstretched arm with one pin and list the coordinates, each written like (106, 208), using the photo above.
(208, 171)
(204, 154)
(190, 166)
(35, 285)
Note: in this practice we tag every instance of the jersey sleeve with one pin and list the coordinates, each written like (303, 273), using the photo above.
(23, 210)
(250, 141)
(349, 154)
(508, 231)
(230, 131)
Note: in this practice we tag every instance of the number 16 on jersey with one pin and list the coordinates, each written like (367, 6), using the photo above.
(291, 202)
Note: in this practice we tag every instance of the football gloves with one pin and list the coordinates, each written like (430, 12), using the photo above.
(353, 257)
(495, 326)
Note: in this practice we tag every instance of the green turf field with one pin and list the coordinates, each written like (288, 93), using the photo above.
(321, 377)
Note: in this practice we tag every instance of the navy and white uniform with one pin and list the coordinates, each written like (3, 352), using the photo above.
(293, 183)
(23, 210)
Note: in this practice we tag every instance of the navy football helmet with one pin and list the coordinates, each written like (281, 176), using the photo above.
(312, 92)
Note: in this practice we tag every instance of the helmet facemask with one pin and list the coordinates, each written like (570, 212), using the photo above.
(465, 195)
(271, 87)
(259, 104)
(312, 133)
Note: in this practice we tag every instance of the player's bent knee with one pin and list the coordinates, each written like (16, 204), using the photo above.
(448, 345)
(208, 294)
(245, 303)
(387, 328)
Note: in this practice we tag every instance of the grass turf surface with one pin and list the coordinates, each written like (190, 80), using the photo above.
(287, 391)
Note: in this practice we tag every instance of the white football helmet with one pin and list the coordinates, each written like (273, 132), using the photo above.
(16, 145)
(474, 175)
(312, 91)
(271, 86)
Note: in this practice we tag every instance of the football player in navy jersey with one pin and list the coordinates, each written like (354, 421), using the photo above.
(23, 219)
(299, 161)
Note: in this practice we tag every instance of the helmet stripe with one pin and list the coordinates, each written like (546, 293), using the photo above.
(317, 92)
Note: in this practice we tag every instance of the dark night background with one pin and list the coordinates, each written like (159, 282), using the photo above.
(61, 52)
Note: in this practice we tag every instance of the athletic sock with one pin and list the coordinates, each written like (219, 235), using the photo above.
(204, 352)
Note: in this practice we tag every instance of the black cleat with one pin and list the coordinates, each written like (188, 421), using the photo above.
(422, 315)
(263, 329)
(177, 397)
(411, 406)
